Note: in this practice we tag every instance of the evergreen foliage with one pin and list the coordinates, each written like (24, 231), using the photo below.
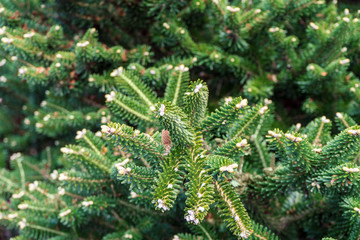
(107, 132)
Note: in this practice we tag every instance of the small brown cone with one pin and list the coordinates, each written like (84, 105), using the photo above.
(166, 139)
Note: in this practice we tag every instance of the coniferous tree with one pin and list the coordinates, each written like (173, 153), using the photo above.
(165, 165)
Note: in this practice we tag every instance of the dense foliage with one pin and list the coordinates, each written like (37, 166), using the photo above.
(107, 131)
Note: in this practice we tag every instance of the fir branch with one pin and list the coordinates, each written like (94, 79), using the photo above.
(196, 99)
(138, 177)
(137, 86)
(173, 119)
(205, 232)
(22, 173)
(86, 157)
(139, 209)
(45, 229)
(226, 114)
(342, 146)
(126, 107)
(263, 233)
(89, 138)
(221, 164)
(139, 144)
(235, 148)
(260, 151)
(250, 119)
(344, 121)
(168, 183)
(233, 210)
(176, 87)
